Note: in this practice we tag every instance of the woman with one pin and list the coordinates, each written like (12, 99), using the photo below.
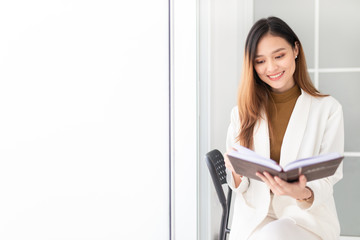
(281, 115)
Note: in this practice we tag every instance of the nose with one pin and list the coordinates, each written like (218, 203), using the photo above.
(271, 66)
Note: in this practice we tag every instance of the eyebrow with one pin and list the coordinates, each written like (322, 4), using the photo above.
(277, 50)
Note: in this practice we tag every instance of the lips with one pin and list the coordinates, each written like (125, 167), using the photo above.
(276, 76)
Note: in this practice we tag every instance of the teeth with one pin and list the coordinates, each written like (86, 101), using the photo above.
(275, 76)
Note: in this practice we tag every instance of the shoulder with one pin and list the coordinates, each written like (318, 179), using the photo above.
(324, 104)
(235, 119)
(234, 116)
(234, 111)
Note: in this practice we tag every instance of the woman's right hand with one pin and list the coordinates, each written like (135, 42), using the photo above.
(228, 165)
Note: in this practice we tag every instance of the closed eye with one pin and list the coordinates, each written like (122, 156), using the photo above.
(259, 61)
(279, 56)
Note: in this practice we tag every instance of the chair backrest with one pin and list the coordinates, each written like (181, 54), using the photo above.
(215, 162)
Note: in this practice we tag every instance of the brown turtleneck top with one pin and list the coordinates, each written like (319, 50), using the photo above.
(280, 109)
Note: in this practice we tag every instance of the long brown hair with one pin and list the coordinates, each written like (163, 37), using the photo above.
(253, 95)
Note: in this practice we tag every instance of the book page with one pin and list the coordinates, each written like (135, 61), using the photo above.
(246, 154)
(311, 160)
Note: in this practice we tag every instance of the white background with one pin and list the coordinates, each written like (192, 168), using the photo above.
(84, 132)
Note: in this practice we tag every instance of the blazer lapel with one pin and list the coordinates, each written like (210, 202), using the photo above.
(295, 129)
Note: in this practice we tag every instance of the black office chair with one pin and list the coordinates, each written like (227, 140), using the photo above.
(215, 162)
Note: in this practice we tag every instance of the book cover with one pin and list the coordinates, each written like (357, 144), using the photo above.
(246, 163)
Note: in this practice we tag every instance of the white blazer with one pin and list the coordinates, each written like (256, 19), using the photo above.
(315, 127)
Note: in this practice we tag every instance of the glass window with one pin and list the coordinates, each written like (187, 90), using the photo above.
(346, 195)
(312, 76)
(345, 88)
(339, 36)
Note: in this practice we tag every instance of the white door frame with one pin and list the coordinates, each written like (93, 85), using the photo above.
(183, 119)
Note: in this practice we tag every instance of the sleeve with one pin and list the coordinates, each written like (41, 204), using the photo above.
(332, 141)
(232, 133)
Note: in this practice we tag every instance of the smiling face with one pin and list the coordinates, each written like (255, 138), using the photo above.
(275, 62)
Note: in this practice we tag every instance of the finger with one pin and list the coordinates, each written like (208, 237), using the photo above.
(226, 158)
(228, 165)
(292, 189)
(265, 179)
(262, 177)
(267, 182)
(280, 182)
(270, 178)
(275, 187)
(302, 181)
(282, 186)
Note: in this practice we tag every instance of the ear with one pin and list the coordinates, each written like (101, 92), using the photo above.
(296, 48)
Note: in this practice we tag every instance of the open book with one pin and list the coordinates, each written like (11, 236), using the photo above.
(246, 163)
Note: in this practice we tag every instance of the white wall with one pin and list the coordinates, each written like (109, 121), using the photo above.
(84, 131)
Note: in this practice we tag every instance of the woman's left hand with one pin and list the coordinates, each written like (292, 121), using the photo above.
(295, 190)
